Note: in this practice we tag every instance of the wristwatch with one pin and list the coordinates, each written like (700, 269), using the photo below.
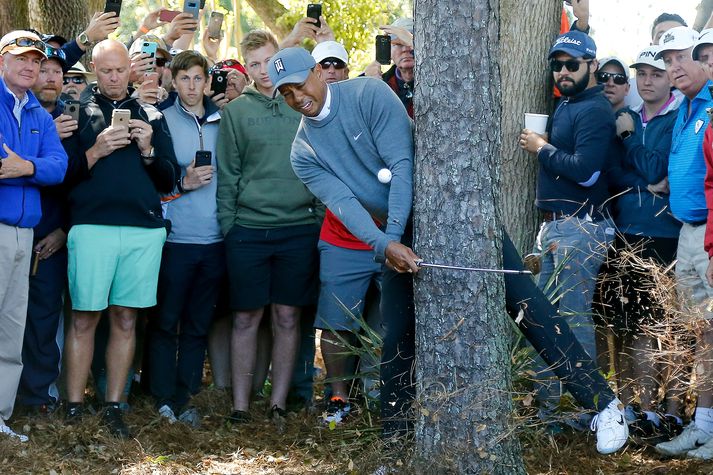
(625, 135)
(84, 39)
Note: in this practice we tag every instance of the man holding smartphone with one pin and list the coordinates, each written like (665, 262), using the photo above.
(117, 228)
(193, 263)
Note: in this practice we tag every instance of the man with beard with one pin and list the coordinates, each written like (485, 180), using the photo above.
(571, 191)
(42, 348)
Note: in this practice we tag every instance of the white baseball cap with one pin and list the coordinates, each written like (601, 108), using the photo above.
(646, 56)
(705, 38)
(330, 49)
(613, 59)
(677, 39)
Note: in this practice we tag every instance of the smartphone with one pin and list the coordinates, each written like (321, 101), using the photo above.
(192, 7)
(150, 48)
(151, 78)
(383, 49)
(71, 108)
(113, 6)
(168, 15)
(314, 10)
(120, 117)
(203, 158)
(219, 82)
(215, 24)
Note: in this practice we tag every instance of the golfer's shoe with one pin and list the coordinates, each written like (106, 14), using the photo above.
(691, 438)
(611, 428)
(705, 452)
(337, 410)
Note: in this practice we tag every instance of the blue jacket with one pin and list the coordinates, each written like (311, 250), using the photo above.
(570, 178)
(645, 162)
(36, 141)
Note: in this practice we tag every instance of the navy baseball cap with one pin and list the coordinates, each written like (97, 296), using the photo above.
(290, 66)
(574, 43)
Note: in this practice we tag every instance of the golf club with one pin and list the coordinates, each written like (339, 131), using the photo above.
(472, 269)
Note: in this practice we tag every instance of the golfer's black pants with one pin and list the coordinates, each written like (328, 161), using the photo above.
(548, 333)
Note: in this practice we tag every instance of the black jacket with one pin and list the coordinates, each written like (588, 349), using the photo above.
(119, 190)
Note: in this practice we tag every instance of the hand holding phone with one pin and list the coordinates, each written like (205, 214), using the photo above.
(219, 81)
(215, 24)
(203, 158)
(314, 10)
(168, 15)
(120, 118)
(113, 6)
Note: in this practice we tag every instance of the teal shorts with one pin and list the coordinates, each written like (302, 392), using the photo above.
(113, 265)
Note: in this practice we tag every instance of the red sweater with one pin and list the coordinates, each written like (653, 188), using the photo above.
(708, 186)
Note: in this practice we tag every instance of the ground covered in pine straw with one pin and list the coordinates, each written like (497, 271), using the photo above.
(307, 447)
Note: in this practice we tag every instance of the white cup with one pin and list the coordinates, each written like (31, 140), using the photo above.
(536, 122)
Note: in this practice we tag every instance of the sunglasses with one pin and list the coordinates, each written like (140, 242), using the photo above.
(73, 80)
(23, 43)
(603, 78)
(572, 65)
(337, 63)
(227, 63)
(55, 53)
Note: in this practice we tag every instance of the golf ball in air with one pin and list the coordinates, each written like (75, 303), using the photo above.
(384, 175)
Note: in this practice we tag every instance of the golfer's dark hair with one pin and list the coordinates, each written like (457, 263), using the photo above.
(667, 17)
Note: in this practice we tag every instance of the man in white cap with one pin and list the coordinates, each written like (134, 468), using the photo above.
(75, 81)
(703, 51)
(686, 174)
(31, 156)
(613, 74)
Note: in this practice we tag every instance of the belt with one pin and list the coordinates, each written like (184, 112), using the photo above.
(695, 224)
(555, 215)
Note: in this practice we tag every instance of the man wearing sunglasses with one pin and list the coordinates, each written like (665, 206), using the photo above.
(42, 350)
(31, 157)
(571, 191)
(613, 74)
(75, 81)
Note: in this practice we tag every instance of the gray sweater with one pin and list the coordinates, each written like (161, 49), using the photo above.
(193, 214)
(339, 157)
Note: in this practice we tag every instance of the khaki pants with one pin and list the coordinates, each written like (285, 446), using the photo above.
(15, 253)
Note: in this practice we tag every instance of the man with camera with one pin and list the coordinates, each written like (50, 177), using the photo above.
(124, 159)
(31, 157)
(193, 263)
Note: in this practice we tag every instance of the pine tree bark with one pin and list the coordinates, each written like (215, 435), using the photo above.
(66, 18)
(13, 16)
(463, 365)
(527, 30)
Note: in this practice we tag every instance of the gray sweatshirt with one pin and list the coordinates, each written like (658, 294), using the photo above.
(339, 157)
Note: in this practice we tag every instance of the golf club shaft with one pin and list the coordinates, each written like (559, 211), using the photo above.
(472, 269)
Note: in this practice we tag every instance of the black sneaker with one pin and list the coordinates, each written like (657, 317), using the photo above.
(114, 421)
(74, 413)
(238, 417)
(645, 432)
(337, 410)
(278, 416)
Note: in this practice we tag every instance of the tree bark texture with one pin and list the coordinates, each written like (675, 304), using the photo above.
(463, 365)
(13, 16)
(527, 29)
(66, 18)
(269, 11)
(704, 10)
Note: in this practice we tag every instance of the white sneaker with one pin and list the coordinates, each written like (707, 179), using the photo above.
(705, 452)
(166, 412)
(611, 428)
(687, 441)
(5, 430)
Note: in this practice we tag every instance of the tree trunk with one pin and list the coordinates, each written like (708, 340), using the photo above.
(269, 11)
(66, 18)
(705, 8)
(463, 365)
(13, 16)
(526, 87)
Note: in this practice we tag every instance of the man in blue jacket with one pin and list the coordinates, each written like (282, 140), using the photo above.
(32, 156)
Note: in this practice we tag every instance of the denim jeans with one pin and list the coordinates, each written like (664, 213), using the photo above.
(573, 250)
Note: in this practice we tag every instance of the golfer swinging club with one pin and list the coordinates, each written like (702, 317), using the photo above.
(350, 132)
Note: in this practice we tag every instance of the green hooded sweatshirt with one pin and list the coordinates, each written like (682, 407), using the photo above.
(257, 187)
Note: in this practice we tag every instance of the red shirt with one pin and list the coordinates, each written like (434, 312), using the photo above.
(708, 188)
(335, 233)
